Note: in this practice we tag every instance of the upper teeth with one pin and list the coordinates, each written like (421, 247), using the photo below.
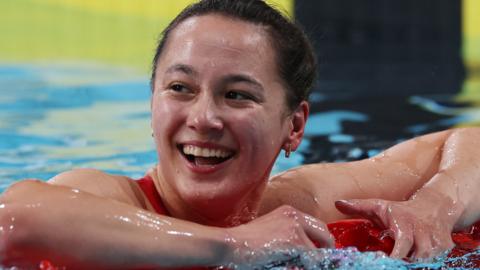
(204, 152)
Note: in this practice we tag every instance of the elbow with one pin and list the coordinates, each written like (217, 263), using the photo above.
(14, 233)
(461, 148)
(17, 223)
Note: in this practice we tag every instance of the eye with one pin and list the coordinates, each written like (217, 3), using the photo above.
(180, 88)
(235, 95)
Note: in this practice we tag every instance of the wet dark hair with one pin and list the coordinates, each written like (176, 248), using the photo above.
(295, 57)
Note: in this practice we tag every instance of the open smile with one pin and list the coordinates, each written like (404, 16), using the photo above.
(205, 158)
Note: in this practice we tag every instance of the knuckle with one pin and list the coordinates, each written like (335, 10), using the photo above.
(292, 228)
(289, 211)
(286, 207)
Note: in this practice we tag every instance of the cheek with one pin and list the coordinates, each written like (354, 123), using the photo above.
(164, 114)
(166, 119)
(262, 134)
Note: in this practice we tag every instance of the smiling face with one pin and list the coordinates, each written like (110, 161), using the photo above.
(218, 116)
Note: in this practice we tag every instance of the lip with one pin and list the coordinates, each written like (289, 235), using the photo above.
(206, 169)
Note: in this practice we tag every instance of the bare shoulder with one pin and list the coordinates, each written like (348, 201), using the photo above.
(117, 187)
(312, 188)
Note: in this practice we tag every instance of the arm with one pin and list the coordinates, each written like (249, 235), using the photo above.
(394, 174)
(458, 178)
(76, 228)
(433, 177)
(446, 202)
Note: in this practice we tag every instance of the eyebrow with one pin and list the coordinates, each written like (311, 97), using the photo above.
(188, 70)
(233, 78)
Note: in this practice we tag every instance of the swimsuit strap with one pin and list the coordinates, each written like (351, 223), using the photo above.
(148, 188)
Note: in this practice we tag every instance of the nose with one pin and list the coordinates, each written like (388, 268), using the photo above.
(204, 115)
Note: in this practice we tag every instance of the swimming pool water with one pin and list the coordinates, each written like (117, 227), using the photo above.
(58, 117)
(51, 121)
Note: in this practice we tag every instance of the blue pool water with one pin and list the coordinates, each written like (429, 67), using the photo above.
(58, 117)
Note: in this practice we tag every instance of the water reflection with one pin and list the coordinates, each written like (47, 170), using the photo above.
(50, 121)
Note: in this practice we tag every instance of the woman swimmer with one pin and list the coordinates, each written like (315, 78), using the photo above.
(230, 83)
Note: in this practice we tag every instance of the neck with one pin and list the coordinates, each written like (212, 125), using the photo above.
(227, 212)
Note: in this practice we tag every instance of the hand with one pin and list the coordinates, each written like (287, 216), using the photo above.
(421, 227)
(283, 229)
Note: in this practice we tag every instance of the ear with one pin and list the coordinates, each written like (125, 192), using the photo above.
(298, 120)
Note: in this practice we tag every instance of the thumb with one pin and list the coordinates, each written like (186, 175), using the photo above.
(372, 209)
(357, 207)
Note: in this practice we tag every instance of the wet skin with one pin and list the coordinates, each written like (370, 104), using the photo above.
(216, 87)
(218, 92)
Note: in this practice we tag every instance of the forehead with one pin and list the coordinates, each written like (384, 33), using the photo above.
(218, 39)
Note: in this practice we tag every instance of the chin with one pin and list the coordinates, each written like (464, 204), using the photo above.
(213, 192)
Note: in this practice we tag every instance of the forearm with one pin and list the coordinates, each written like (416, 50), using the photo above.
(74, 227)
(458, 176)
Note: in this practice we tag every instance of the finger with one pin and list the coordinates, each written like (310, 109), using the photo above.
(441, 242)
(312, 228)
(373, 209)
(423, 246)
(306, 241)
(403, 243)
(447, 243)
(317, 231)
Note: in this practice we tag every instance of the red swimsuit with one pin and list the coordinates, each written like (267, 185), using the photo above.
(148, 188)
